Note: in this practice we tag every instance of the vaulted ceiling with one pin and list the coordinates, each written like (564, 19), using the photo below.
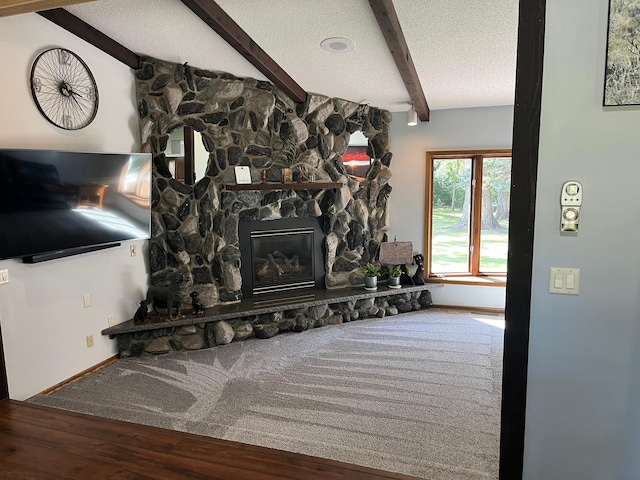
(444, 53)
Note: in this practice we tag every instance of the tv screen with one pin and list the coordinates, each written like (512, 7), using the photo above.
(55, 201)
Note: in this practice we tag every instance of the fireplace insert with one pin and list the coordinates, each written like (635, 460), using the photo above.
(281, 255)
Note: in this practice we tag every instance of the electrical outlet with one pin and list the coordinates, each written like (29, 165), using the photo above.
(89, 341)
(4, 275)
(111, 320)
(86, 300)
(133, 250)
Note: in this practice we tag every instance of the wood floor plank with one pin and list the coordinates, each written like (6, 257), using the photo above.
(59, 464)
(124, 434)
(111, 452)
(91, 450)
(14, 471)
(302, 466)
(130, 436)
(86, 425)
(38, 442)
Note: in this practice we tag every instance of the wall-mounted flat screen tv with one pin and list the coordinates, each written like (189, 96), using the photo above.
(54, 203)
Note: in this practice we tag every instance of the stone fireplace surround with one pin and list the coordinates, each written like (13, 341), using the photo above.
(248, 122)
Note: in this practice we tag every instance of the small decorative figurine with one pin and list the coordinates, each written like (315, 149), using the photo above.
(405, 279)
(141, 314)
(198, 307)
(166, 296)
(418, 277)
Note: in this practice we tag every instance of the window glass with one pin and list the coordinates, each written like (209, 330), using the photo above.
(450, 215)
(496, 183)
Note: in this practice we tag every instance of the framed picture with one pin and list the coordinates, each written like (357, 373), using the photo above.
(622, 71)
(243, 175)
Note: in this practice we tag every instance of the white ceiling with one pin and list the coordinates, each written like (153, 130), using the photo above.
(464, 50)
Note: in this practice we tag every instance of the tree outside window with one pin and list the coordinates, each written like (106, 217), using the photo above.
(467, 212)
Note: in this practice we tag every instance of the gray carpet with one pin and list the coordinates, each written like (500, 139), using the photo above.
(416, 393)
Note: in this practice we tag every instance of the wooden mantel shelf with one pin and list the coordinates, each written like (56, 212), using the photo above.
(284, 186)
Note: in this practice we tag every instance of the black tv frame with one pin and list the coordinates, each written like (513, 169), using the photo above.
(63, 251)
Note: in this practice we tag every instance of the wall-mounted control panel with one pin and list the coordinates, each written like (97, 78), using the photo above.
(570, 203)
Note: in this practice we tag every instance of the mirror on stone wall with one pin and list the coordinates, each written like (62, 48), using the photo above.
(186, 156)
(187, 159)
(356, 160)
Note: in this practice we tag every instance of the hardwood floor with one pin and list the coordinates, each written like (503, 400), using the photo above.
(45, 443)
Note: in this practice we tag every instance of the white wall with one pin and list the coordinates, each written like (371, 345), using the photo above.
(456, 129)
(44, 323)
(583, 399)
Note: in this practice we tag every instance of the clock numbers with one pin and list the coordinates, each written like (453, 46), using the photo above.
(67, 122)
(64, 57)
(37, 84)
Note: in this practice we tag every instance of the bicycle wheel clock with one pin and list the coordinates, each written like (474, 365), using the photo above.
(64, 89)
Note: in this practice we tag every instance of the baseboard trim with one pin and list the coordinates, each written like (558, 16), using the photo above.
(471, 309)
(80, 375)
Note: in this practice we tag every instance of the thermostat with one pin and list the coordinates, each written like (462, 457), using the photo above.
(570, 203)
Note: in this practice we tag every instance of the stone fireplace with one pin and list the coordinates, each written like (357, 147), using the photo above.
(303, 268)
(245, 122)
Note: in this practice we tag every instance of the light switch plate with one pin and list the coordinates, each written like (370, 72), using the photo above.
(564, 281)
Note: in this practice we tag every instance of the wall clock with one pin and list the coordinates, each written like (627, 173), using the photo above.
(64, 89)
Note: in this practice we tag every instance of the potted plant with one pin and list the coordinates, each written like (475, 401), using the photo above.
(288, 156)
(371, 272)
(394, 276)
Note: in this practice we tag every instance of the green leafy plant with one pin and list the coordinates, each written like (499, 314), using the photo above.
(395, 271)
(290, 150)
(371, 270)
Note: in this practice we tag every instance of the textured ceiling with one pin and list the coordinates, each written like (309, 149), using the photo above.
(464, 51)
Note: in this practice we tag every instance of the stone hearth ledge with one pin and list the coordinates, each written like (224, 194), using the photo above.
(162, 336)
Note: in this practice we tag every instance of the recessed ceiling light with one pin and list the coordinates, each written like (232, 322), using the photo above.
(338, 45)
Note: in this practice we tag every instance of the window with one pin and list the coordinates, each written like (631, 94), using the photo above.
(467, 208)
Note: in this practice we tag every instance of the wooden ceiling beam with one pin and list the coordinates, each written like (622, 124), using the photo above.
(91, 35)
(211, 13)
(389, 24)
(16, 7)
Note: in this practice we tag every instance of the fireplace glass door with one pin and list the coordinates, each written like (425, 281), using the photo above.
(282, 259)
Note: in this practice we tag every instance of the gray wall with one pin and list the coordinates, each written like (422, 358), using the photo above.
(583, 410)
(44, 323)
